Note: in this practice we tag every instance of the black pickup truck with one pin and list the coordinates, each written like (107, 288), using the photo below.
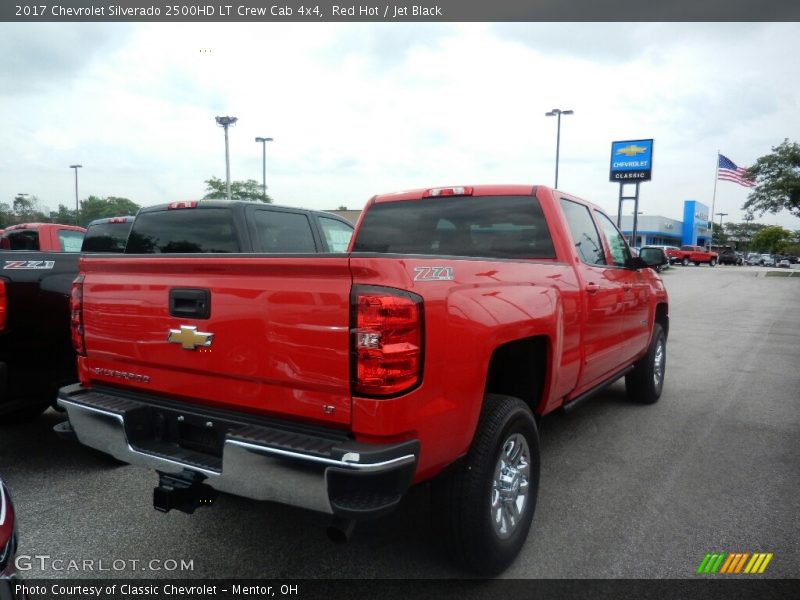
(36, 355)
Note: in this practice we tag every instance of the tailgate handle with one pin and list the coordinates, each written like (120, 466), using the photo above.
(194, 303)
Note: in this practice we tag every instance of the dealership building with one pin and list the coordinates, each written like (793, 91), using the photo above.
(663, 231)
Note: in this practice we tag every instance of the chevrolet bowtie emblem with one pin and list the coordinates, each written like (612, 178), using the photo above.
(631, 150)
(189, 338)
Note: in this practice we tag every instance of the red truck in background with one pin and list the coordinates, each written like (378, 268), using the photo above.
(428, 350)
(42, 237)
(692, 254)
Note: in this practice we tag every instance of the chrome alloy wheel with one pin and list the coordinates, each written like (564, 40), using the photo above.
(510, 485)
(658, 363)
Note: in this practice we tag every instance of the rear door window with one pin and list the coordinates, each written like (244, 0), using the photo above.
(620, 254)
(284, 232)
(187, 230)
(69, 240)
(337, 234)
(481, 226)
(584, 233)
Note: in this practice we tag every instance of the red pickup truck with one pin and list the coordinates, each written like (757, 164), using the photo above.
(42, 237)
(427, 351)
(692, 254)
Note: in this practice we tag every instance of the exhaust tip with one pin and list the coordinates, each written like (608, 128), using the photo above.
(340, 531)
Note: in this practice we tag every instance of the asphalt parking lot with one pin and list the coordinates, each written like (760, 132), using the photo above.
(626, 490)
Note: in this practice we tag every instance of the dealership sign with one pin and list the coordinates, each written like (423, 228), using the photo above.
(631, 161)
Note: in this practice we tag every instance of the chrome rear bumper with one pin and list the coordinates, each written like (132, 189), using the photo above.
(325, 473)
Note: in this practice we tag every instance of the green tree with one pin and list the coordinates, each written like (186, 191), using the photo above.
(777, 178)
(64, 215)
(27, 209)
(742, 233)
(6, 215)
(240, 190)
(100, 208)
(772, 239)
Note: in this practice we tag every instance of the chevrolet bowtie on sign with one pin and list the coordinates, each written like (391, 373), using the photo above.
(189, 338)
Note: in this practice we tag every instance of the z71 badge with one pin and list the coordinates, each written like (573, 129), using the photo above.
(433, 273)
(29, 264)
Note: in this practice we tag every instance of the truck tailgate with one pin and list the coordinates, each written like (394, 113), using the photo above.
(276, 334)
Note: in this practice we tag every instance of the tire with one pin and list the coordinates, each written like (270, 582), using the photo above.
(644, 384)
(477, 524)
(712, 262)
(685, 262)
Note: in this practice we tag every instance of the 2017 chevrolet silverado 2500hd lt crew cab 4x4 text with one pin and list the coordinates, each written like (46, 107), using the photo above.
(427, 351)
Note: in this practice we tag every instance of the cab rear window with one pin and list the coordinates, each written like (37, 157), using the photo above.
(206, 230)
(481, 226)
(106, 237)
(27, 239)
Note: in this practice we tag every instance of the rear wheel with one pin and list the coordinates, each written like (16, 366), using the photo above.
(645, 382)
(486, 506)
(685, 262)
(712, 262)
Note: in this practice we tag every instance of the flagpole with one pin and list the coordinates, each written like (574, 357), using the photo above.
(714, 200)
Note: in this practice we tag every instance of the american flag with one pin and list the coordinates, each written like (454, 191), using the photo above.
(730, 172)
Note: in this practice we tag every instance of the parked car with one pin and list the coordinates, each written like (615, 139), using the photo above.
(767, 260)
(8, 540)
(784, 263)
(36, 354)
(752, 259)
(335, 381)
(693, 254)
(107, 235)
(730, 257)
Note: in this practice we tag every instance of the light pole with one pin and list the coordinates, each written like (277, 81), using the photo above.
(76, 167)
(226, 122)
(557, 112)
(263, 141)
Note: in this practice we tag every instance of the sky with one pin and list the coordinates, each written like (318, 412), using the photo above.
(357, 109)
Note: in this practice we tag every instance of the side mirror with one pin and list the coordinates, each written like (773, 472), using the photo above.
(653, 257)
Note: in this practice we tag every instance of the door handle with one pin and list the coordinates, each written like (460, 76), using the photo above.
(627, 287)
(592, 287)
(194, 303)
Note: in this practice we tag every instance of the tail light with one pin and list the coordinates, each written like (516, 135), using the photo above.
(386, 341)
(3, 305)
(76, 316)
(182, 204)
(448, 191)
